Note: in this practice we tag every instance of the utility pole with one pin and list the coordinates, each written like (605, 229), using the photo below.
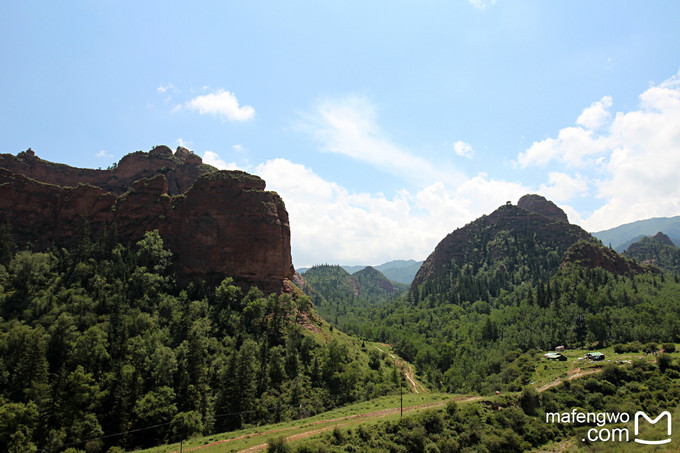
(401, 396)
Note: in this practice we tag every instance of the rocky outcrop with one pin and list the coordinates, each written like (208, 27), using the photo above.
(180, 169)
(591, 255)
(540, 205)
(216, 223)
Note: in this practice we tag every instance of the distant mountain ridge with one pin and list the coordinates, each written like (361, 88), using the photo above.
(622, 236)
(401, 271)
(333, 283)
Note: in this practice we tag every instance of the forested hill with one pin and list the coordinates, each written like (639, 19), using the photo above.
(99, 340)
(497, 251)
(335, 292)
(334, 283)
(658, 250)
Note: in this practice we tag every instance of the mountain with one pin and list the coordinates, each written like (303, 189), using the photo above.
(373, 283)
(511, 245)
(623, 236)
(402, 271)
(216, 223)
(353, 269)
(333, 282)
(658, 250)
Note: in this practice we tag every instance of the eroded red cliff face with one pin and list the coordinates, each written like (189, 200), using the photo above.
(592, 255)
(216, 223)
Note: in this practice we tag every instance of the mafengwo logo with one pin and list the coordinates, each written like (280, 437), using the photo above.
(641, 415)
(603, 433)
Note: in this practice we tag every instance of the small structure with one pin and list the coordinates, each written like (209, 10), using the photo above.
(555, 356)
(594, 356)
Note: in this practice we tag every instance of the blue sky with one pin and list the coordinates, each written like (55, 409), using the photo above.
(384, 125)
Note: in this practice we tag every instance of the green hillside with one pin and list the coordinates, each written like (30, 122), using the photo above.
(372, 283)
(369, 284)
(658, 250)
(509, 247)
(334, 291)
(101, 341)
(512, 422)
(401, 271)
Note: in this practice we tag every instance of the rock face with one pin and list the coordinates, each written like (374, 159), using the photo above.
(592, 255)
(216, 223)
(180, 169)
(540, 205)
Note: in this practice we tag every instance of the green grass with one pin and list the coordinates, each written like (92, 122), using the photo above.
(550, 370)
(546, 371)
(249, 437)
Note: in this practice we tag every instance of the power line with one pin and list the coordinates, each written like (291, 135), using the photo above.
(147, 428)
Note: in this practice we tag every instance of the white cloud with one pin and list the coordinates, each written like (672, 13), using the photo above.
(104, 154)
(596, 115)
(223, 104)
(240, 149)
(574, 146)
(164, 88)
(212, 158)
(463, 149)
(348, 126)
(482, 4)
(644, 162)
(184, 143)
(563, 187)
(632, 164)
(330, 224)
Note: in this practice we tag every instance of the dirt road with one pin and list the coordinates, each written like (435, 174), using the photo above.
(342, 421)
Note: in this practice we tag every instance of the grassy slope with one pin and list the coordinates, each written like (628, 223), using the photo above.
(388, 408)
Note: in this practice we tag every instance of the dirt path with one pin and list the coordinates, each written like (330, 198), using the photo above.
(573, 374)
(415, 387)
(410, 376)
(376, 414)
(338, 422)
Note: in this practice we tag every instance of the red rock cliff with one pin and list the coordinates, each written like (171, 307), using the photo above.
(216, 223)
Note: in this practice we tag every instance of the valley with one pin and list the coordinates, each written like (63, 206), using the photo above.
(117, 333)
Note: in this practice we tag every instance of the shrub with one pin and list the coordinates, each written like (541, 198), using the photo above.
(528, 400)
(664, 362)
(277, 445)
